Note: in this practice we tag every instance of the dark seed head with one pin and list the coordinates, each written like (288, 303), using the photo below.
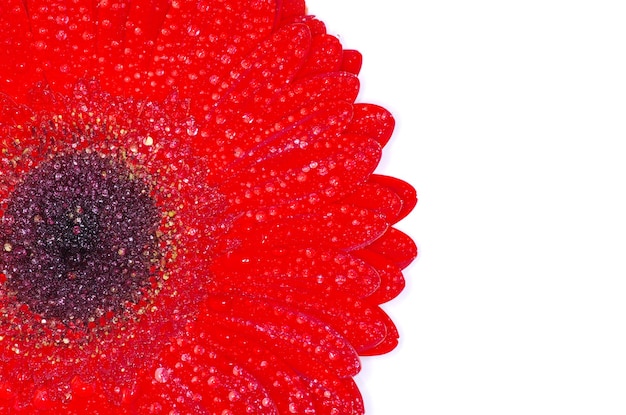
(79, 237)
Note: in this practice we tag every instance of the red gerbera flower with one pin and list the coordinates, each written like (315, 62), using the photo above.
(190, 219)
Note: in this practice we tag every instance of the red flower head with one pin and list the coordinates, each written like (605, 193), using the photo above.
(190, 223)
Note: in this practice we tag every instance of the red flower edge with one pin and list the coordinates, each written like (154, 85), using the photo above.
(276, 238)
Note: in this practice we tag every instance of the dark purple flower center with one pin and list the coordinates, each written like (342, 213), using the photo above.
(79, 237)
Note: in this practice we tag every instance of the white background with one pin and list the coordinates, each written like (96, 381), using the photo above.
(512, 127)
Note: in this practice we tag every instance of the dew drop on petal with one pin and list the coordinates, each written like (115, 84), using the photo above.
(161, 375)
(199, 350)
(193, 30)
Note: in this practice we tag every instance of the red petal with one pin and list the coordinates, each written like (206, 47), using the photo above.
(378, 199)
(358, 322)
(193, 377)
(389, 343)
(323, 171)
(316, 26)
(372, 121)
(63, 38)
(404, 190)
(325, 56)
(336, 396)
(18, 73)
(305, 343)
(110, 29)
(309, 124)
(236, 97)
(341, 227)
(290, 9)
(277, 120)
(352, 61)
(203, 41)
(285, 387)
(135, 53)
(316, 89)
(396, 246)
(391, 279)
(305, 269)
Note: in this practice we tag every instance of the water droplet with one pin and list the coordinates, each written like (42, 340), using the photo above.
(62, 20)
(203, 6)
(193, 30)
(192, 128)
(161, 375)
